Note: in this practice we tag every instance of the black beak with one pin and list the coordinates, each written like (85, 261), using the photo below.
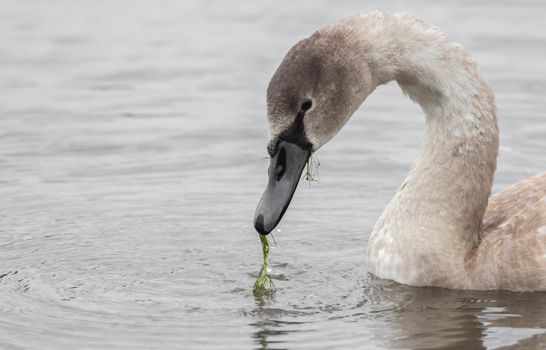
(285, 170)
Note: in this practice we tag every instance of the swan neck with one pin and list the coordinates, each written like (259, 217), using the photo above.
(451, 179)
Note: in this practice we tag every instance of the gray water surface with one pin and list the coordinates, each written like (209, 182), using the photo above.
(132, 155)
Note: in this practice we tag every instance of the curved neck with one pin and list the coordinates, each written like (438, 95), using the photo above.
(448, 187)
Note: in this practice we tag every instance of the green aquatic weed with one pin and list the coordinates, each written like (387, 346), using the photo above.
(264, 283)
(311, 169)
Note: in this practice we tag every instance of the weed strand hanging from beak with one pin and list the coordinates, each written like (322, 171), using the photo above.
(311, 169)
(264, 284)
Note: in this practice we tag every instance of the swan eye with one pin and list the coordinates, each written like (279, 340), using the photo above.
(306, 105)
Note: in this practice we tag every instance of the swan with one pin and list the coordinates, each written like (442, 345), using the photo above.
(442, 228)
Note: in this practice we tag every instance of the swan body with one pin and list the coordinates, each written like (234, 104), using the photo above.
(441, 228)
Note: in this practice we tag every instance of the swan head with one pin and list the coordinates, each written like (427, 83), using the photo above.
(320, 82)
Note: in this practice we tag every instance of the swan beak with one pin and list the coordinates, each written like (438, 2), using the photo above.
(285, 170)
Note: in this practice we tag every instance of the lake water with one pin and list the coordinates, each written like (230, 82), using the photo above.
(132, 156)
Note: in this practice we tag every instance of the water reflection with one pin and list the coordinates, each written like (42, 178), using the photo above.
(433, 318)
(410, 318)
(266, 325)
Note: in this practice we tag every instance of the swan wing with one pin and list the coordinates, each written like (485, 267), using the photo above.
(512, 250)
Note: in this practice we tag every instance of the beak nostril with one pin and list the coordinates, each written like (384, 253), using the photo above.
(279, 171)
(280, 167)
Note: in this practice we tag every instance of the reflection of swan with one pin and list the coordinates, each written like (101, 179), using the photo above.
(469, 319)
(438, 229)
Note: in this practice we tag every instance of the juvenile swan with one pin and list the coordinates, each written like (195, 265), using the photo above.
(439, 229)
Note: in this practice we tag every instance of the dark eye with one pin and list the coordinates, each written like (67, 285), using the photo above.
(306, 105)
